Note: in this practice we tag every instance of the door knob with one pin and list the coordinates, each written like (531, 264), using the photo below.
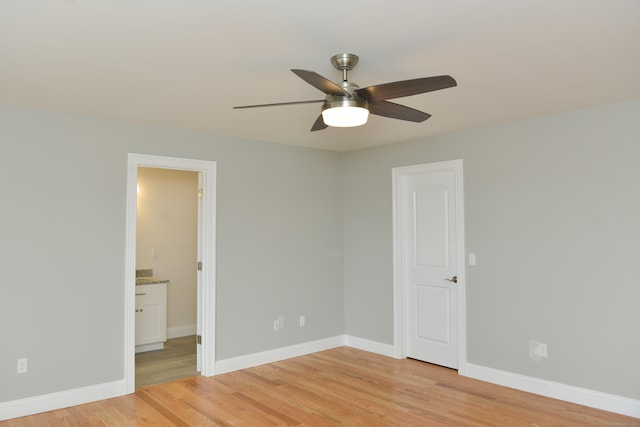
(454, 279)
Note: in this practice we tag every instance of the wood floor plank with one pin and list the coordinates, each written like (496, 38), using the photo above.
(132, 410)
(338, 387)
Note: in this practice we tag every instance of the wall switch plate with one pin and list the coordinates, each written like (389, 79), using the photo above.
(302, 321)
(22, 366)
(276, 325)
(472, 259)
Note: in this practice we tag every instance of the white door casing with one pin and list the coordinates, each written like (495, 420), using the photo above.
(429, 310)
(206, 249)
(199, 272)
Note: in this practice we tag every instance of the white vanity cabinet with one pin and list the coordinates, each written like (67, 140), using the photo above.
(151, 316)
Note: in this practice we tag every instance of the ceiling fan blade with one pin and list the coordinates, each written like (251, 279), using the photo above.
(320, 83)
(278, 104)
(406, 88)
(318, 124)
(397, 111)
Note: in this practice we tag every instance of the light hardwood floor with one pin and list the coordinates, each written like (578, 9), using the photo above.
(177, 360)
(338, 387)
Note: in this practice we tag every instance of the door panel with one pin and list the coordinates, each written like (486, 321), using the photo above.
(431, 229)
(433, 314)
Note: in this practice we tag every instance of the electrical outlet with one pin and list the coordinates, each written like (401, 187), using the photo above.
(281, 320)
(537, 350)
(302, 321)
(276, 325)
(22, 366)
(533, 351)
(542, 350)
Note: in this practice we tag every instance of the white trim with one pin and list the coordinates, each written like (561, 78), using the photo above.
(200, 242)
(582, 396)
(208, 303)
(370, 346)
(61, 399)
(149, 347)
(181, 331)
(275, 355)
(399, 326)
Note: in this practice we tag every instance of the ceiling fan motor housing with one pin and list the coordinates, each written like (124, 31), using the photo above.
(355, 100)
(343, 110)
(343, 101)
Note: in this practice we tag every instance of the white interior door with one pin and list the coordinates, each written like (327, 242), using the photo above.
(431, 262)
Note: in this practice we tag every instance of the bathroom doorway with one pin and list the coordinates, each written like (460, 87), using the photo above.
(166, 262)
(152, 252)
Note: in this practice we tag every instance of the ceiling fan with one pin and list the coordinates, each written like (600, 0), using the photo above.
(348, 105)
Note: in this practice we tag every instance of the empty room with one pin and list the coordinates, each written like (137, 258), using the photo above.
(408, 213)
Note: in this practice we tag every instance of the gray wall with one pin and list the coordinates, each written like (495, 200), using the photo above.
(62, 242)
(553, 213)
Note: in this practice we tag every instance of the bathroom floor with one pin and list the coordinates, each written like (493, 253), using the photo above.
(177, 360)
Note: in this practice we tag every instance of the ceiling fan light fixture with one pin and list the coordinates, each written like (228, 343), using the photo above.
(345, 113)
(345, 117)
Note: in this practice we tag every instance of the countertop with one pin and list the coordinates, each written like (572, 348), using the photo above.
(146, 277)
(150, 280)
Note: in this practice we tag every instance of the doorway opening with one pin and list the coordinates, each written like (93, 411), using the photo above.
(166, 279)
(202, 333)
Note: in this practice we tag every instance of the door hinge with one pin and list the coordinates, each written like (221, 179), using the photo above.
(199, 339)
(200, 193)
(199, 265)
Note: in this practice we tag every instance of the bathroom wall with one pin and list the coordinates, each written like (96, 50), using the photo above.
(166, 240)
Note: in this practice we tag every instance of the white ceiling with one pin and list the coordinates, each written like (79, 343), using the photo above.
(186, 63)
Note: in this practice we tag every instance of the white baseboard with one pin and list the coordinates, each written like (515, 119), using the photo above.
(275, 355)
(61, 399)
(370, 346)
(181, 331)
(594, 399)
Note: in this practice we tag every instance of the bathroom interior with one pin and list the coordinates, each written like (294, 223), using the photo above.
(166, 275)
